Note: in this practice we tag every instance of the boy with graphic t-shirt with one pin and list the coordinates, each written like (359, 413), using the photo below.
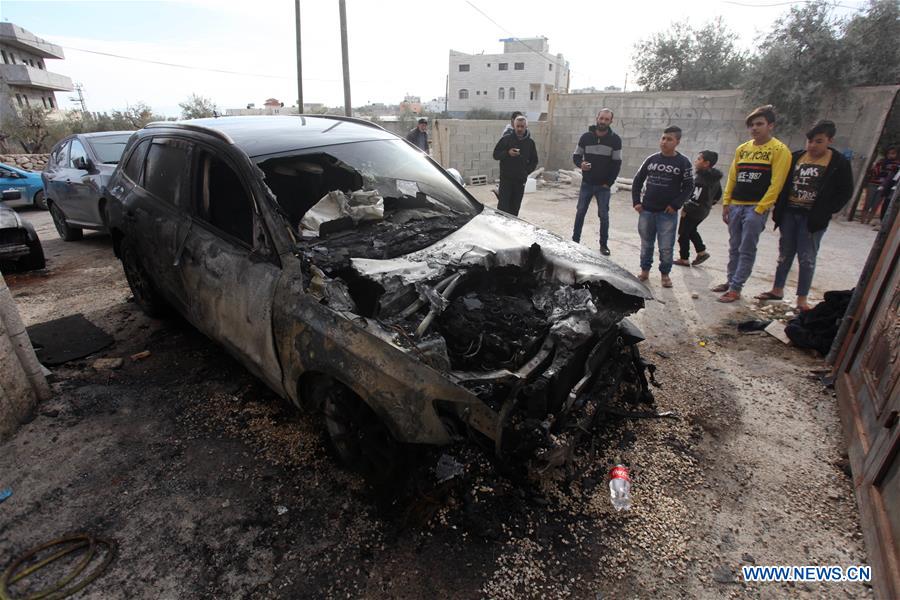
(756, 177)
(821, 183)
(670, 181)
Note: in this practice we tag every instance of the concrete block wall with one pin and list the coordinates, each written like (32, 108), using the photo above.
(710, 120)
(468, 145)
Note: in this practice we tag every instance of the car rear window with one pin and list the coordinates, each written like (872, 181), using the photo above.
(109, 148)
(133, 166)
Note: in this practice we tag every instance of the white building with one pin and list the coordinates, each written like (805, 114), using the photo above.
(24, 79)
(522, 78)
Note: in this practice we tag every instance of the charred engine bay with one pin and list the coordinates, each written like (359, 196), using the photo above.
(533, 349)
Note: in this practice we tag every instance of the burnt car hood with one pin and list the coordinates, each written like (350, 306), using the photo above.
(9, 219)
(494, 239)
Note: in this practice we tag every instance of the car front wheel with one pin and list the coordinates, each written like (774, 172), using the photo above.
(145, 294)
(65, 231)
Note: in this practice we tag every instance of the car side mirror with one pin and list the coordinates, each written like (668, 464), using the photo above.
(11, 195)
(83, 164)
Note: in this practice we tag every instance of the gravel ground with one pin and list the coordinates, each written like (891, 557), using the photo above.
(214, 488)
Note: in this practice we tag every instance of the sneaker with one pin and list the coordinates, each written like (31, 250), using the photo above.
(729, 296)
(604, 250)
(722, 287)
(681, 262)
(666, 281)
(701, 257)
(644, 275)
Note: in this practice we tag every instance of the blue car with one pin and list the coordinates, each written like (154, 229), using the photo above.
(27, 183)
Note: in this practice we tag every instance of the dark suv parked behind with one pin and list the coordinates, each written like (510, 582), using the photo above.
(355, 277)
(75, 180)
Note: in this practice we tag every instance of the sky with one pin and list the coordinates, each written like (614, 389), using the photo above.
(395, 48)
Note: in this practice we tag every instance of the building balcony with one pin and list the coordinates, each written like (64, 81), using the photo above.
(25, 76)
(17, 37)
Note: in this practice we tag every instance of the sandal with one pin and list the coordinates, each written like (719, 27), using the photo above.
(666, 281)
(700, 258)
(769, 296)
(681, 262)
(729, 296)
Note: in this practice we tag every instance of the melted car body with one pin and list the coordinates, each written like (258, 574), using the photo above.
(356, 277)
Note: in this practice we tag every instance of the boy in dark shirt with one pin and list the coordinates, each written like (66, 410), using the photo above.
(707, 191)
(669, 182)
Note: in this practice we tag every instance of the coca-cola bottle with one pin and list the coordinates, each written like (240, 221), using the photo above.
(620, 487)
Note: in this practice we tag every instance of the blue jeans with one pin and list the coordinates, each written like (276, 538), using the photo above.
(744, 227)
(585, 195)
(796, 240)
(657, 225)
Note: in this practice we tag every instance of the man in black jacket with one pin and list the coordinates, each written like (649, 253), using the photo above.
(707, 191)
(418, 135)
(599, 156)
(820, 184)
(518, 157)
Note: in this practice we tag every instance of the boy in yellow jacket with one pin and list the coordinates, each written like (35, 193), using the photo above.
(757, 174)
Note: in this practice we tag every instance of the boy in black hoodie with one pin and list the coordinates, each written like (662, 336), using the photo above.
(820, 183)
(707, 191)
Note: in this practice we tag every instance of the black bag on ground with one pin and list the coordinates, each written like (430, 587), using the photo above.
(817, 327)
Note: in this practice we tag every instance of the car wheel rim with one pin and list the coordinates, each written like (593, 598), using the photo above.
(135, 276)
(359, 436)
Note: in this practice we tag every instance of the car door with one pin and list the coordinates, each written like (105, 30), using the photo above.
(156, 212)
(12, 181)
(228, 265)
(54, 175)
(78, 198)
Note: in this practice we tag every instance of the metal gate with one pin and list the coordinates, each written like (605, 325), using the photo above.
(867, 378)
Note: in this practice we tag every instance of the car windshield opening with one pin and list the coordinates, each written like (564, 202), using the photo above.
(388, 173)
(109, 148)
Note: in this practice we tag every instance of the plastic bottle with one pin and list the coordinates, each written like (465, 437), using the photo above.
(620, 487)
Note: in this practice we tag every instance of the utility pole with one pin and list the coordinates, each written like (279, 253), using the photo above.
(299, 62)
(80, 98)
(348, 110)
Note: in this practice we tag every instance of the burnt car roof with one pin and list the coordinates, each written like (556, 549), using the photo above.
(262, 135)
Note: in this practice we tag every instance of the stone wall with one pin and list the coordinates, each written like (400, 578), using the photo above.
(711, 120)
(28, 162)
(467, 145)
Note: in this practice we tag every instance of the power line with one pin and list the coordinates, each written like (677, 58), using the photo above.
(750, 5)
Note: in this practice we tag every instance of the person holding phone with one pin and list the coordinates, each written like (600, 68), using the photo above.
(517, 154)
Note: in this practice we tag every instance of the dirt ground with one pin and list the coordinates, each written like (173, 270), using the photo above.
(213, 488)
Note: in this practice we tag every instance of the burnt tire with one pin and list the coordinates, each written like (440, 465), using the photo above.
(359, 437)
(40, 201)
(142, 287)
(35, 259)
(65, 231)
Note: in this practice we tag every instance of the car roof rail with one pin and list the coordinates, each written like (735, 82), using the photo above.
(191, 127)
(356, 120)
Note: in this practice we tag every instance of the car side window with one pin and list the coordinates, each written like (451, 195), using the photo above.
(61, 158)
(6, 174)
(166, 169)
(221, 199)
(76, 151)
(135, 162)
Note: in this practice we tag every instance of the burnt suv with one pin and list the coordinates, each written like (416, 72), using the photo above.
(353, 275)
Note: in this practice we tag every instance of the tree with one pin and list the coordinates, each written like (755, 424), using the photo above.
(802, 60)
(27, 125)
(873, 39)
(198, 107)
(684, 58)
(135, 117)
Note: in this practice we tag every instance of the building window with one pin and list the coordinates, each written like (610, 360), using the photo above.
(19, 100)
(41, 65)
(5, 59)
(548, 97)
(519, 66)
(531, 95)
(463, 94)
(44, 100)
(501, 94)
(50, 100)
(503, 66)
(484, 93)
(551, 67)
(477, 92)
(512, 93)
(489, 65)
(463, 68)
(25, 98)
